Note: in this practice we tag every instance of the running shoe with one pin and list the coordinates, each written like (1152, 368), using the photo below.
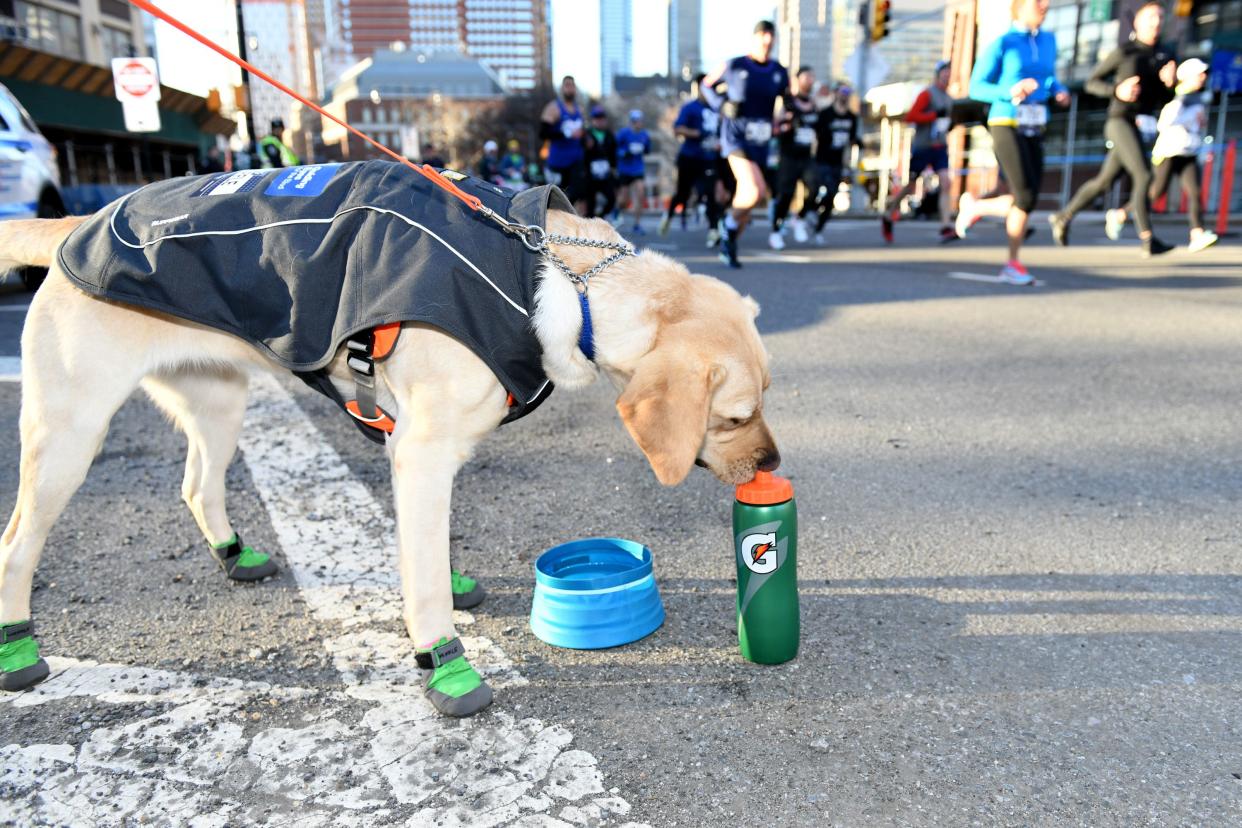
(1014, 273)
(966, 217)
(638, 230)
(1114, 223)
(820, 239)
(728, 247)
(776, 241)
(947, 234)
(1060, 229)
(713, 237)
(799, 231)
(1152, 246)
(886, 228)
(665, 221)
(1203, 241)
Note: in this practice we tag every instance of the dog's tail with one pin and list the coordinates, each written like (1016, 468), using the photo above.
(33, 242)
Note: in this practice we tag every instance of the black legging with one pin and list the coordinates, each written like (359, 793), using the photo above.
(791, 172)
(1186, 166)
(607, 187)
(830, 176)
(1021, 159)
(1127, 154)
(696, 174)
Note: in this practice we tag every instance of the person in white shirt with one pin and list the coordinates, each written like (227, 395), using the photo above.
(1176, 152)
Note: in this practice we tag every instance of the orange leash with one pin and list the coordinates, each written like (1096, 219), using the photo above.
(426, 169)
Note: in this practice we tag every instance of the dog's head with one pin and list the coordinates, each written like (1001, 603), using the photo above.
(696, 397)
(682, 348)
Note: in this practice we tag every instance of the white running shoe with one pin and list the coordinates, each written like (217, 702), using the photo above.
(799, 231)
(1015, 274)
(965, 215)
(1114, 223)
(1203, 241)
(820, 240)
(713, 237)
(775, 241)
(665, 221)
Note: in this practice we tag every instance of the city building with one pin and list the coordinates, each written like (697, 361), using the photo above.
(616, 42)
(510, 36)
(915, 42)
(55, 57)
(804, 35)
(405, 98)
(685, 33)
(276, 41)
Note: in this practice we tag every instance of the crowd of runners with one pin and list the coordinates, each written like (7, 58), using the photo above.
(751, 134)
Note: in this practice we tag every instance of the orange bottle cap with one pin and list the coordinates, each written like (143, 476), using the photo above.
(765, 490)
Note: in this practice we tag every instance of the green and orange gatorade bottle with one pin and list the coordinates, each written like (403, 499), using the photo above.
(765, 535)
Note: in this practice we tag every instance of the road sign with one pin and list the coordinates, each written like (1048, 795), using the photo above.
(1098, 11)
(137, 86)
(136, 79)
(1226, 74)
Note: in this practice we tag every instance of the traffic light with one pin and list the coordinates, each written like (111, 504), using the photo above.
(880, 17)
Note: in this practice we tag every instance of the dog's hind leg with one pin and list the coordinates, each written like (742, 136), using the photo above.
(74, 378)
(208, 405)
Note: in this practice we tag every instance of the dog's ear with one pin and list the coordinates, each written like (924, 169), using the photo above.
(665, 408)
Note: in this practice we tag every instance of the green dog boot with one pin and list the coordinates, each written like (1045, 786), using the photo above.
(20, 665)
(453, 687)
(242, 563)
(466, 592)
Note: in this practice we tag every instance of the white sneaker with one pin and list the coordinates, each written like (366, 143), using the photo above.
(965, 215)
(775, 241)
(820, 240)
(1203, 241)
(713, 237)
(1114, 223)
(664, 223)
(1015, 274)
(799, 231)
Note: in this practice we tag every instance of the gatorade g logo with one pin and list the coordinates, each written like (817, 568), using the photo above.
(759, 553)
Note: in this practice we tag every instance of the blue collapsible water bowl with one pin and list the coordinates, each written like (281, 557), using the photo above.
(595, 593)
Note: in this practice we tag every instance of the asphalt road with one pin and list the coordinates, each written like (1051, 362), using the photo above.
(1020, 562)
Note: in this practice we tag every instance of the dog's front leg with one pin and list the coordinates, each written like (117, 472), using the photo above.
(423, 468)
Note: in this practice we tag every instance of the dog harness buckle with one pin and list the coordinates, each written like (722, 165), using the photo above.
(365, 348)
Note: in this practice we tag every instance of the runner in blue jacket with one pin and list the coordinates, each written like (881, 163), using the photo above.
(1016, 74)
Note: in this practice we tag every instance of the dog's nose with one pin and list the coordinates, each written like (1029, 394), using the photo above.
(771, 460)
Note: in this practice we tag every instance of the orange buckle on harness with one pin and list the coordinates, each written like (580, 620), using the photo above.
(383, 422)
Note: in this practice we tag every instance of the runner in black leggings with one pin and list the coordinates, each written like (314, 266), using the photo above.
(1016, 74)
(1138, 77)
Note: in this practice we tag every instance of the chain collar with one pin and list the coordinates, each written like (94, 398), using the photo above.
(538, 240)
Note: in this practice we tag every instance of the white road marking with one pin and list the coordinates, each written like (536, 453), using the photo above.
(785, 257)
(211, 754)
(10, 369)
(981, 277)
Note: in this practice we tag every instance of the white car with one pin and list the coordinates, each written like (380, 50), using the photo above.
(29, 175)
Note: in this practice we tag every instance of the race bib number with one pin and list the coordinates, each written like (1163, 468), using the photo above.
(637, 148)
(940, 128)
(711, 142)
(758, 132)
(804, 136)
(599, 168)
(840, 140)
(1147, 126)
(570, 126)
(1032, 117)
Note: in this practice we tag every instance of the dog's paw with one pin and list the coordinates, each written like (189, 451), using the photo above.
(459, 707)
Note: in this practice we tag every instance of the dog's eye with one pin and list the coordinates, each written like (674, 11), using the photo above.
(734, 422)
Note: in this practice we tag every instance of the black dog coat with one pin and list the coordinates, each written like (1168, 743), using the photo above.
(295, 261)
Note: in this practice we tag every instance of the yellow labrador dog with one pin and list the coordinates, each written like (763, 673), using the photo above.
(682, 349)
